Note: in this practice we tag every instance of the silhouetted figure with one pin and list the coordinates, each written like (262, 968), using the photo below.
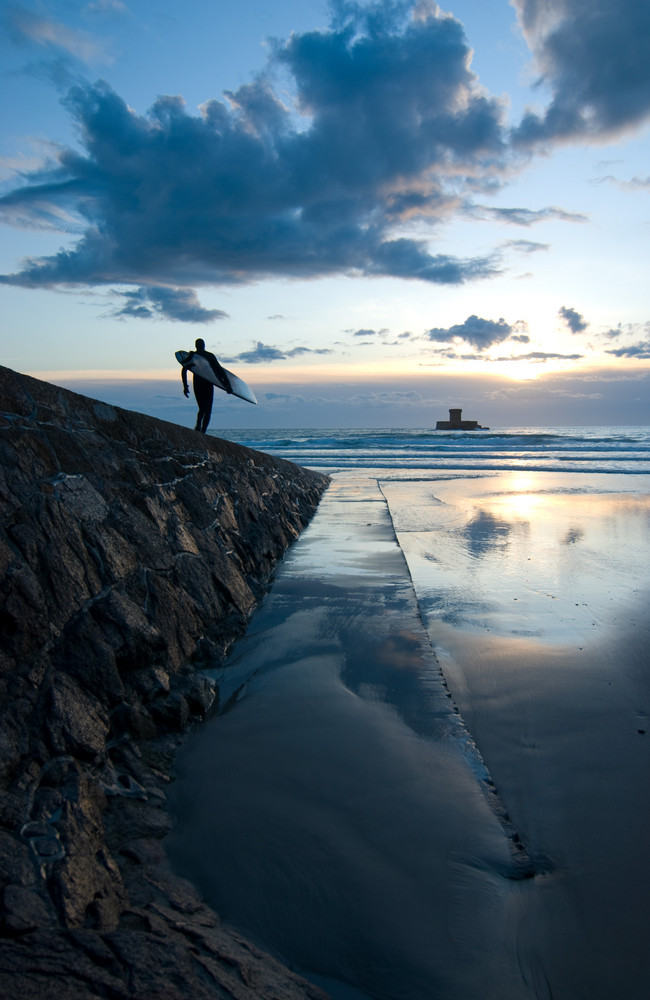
(204, 390)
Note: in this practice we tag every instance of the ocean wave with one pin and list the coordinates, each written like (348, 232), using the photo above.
(543, 449)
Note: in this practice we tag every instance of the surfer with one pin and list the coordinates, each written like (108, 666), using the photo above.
(204, 390)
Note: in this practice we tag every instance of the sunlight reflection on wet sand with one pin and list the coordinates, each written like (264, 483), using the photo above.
(534, 589)
(551, 556)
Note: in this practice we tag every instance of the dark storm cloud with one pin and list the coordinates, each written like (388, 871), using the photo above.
(389, 122)
(480, 333)
(180, 304)
(404, 258)
(593, 55)
(262, 353)
(575, 322)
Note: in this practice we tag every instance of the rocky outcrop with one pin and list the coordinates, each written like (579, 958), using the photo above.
(132, 553)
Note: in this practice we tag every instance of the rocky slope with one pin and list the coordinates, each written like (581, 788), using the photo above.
(132, 551)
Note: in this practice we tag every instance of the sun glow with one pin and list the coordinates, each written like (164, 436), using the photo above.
(518, 371)
(520, 497)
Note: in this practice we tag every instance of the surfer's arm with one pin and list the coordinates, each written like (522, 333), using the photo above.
(184, 370)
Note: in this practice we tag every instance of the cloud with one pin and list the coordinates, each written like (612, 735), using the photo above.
(388, 398)
(593, 55)
(611, 395)
(406, 258)
(276, 400)
(574, 320)
(526, 216)
(24, 27)
(179, 304)
(342, 398)
(297, 351)
(389, 122)
(634, 184)
(106, 7)
(541, 356)
(263, 353)
(628, 329)
(480, 333)
(640, 350)
(526, 246)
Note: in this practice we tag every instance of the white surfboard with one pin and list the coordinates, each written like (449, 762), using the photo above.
(203, 368)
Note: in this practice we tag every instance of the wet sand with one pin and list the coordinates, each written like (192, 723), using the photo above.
(538, 609)
(340, 811)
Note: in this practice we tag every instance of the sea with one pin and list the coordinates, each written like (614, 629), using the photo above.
(540, 449)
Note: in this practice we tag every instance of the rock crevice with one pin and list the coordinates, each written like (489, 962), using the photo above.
(132, 551)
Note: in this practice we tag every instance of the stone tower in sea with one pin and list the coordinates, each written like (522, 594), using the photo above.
(456, 423)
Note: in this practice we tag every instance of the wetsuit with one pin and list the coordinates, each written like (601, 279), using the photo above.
(204, 390)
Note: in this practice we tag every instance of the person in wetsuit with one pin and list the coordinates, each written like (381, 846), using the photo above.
(204, 390)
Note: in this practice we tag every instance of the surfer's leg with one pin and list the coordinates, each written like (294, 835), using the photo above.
(207, 413)
(204, 399)
(197, 396)
(203, 393)
(202, 417)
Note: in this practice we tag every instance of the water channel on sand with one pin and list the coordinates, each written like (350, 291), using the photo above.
(340, 812)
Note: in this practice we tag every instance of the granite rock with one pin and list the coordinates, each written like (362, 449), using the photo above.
(132, 553)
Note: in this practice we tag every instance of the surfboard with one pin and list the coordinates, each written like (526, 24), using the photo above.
(203, 368)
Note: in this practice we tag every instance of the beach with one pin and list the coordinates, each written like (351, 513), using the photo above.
(429, 778)
(537, 609)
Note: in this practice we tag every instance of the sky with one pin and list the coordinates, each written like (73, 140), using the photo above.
(370, 211)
